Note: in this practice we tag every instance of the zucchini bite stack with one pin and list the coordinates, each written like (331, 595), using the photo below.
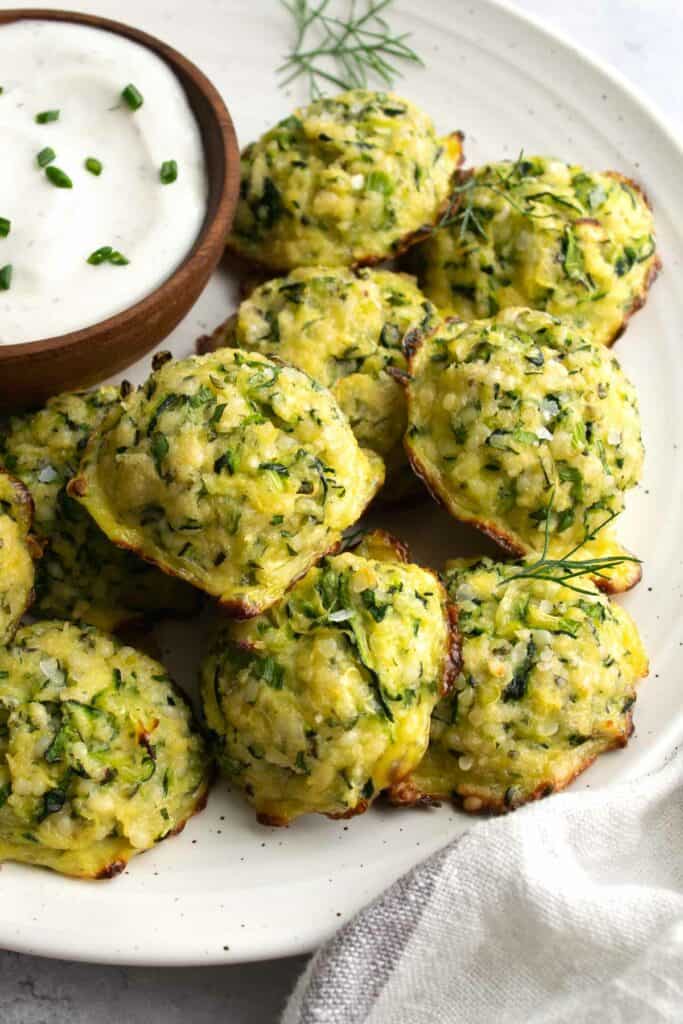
(337, 673)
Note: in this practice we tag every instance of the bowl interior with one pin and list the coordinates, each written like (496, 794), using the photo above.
(117, 338)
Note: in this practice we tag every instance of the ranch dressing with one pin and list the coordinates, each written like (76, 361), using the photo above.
(124, 213)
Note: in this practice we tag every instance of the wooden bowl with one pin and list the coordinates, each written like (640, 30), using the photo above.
(31, 372)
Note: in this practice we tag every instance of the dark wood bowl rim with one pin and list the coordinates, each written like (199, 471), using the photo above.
(218, 215)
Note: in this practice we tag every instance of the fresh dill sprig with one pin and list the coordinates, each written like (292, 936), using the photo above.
(462, 208)
(562, 570)
(345, 52)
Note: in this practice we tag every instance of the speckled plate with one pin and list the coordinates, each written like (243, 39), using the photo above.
(229, 889)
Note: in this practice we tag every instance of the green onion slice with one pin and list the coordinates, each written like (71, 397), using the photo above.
(5, 277)
(46, 156)
(5, 226)
(107, 254)
(58, 177)
(168, 172)
(132, 96)
(46, 116)
(93, 165)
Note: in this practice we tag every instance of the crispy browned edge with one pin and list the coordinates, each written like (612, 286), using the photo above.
(399, 547)
(117, 866)
(24, 503)
(477, 800)
(507, 541)
(260, 270)
(206, 343)
(640, 298)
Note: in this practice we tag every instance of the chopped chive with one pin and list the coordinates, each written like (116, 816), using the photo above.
(58, 178)
(107, 254)
(132, 96)
(2, 89)
(168, 172)
(45, 116)
(100, 255)
(93, 165)
(5, 226)
(46, 156)
(5, 277)
(118, 259)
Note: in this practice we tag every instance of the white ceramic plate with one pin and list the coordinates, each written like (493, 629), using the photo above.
(229, 889)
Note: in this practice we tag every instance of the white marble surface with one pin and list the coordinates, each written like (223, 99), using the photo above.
(642, 39)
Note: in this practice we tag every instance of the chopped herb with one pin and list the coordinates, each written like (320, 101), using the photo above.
(160, 447)
(53, 801)
(169, 172)
(270, 206)
(46, 156)
(368, 789)
(378, 181)
(132, 96)
(58, 177)
(564, 570)
(225, 461)
(46, 116)
(573, 262)
(106, 254)
(93, 165)
(5, 226)
(517, 686)
(5, 277)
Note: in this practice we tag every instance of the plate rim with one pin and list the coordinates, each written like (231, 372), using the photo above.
(316, 932)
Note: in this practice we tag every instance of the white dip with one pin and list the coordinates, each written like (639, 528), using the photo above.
(50, 288)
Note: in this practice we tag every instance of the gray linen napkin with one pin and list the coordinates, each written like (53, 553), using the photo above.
(567, 910)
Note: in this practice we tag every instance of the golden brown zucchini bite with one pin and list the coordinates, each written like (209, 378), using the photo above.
(99, 755)
(350, 179)
(522, 427)
(325, 700)
(347, 330)
(82, 576)
(232, 471)
(547, 683)
(548, 235)
(18, 551)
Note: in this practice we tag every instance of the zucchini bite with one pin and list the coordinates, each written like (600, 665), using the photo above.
(99, 756)
(548, 682)
(346, 330)
(519, 425)
(18, 550)
(82, 575)
(324, 701)
(232, 471)
(544, 234)
(350, 179)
